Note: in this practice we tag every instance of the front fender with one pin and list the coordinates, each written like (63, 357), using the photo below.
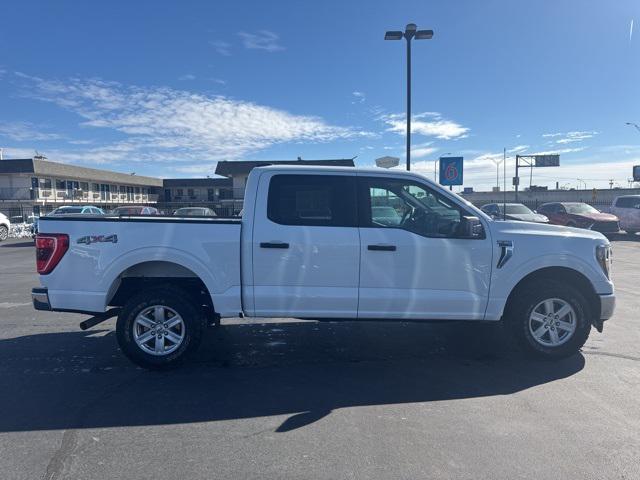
(506, 279)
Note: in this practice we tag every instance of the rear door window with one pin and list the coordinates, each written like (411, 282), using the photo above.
(628, 202)
(313, 200)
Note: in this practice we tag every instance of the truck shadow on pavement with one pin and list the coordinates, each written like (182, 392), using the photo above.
(301, 371)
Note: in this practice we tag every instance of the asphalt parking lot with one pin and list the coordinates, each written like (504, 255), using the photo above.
(292, 399)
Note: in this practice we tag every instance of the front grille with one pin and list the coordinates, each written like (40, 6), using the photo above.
(606, 227)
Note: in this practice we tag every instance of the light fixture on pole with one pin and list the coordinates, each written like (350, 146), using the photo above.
(410, 32)
(497, 161)
(633, 125)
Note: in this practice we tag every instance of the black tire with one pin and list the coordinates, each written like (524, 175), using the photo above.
(175, 299)
(521, 308)
(4, 232)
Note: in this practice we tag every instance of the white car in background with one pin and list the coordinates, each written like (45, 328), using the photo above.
(5, 226)
(627, 209)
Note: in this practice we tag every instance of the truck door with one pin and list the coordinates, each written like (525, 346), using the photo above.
(306, 246)
(412, 265)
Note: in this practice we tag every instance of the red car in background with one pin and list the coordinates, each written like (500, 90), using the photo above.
(581, 215)
(135, 210)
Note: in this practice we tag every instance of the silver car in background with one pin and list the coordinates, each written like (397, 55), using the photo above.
(627, 209)
(513, 211)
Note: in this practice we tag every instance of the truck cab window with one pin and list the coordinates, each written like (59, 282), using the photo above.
(313, 200)
(409, 206)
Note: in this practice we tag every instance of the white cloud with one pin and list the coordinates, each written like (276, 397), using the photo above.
(25, 131)
(359, 97)
(560, 151)
(161, 124)
(570, 137)
(429, 124)
(262, 40)
(223, 48)
(187, 76)
(219, 81)
(518, 149)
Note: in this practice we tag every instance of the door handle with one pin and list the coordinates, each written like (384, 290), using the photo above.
(274, 245)
(382, 248)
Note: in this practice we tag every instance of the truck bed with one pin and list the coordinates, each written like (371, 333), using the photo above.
(105, 249)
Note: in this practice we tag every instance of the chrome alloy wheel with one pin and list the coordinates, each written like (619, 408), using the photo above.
(552, 322)
(158, 330)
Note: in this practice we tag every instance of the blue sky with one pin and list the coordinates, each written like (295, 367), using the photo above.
(169, 88)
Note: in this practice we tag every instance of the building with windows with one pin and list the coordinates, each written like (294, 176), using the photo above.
(225, 194)
(35, 186)
(239, 170)
(197, 189)
(42, 186)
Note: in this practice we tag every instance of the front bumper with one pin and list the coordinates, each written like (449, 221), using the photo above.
(607, 306)
(40, 299)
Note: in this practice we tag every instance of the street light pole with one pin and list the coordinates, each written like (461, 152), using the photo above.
(411, 31)
(409, 94)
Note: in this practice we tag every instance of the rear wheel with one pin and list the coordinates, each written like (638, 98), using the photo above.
(159, 327)
(550, 319)
(4, 232)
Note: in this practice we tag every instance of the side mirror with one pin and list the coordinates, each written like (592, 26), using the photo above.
(470, 227)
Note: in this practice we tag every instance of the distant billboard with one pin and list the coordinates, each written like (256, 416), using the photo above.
(451, 170)
(547, 160)
(636, 173)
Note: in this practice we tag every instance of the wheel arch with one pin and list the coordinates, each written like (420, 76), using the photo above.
(559, 274)
(151, 273)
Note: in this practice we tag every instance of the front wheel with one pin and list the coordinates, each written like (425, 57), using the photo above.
(4, 233)
(550, 319)
(159, 327)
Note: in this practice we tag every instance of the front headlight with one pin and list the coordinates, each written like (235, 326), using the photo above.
(604, 256)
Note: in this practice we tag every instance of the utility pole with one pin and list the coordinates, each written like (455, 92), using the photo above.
(504, 180)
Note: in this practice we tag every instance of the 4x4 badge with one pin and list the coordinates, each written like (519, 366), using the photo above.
(89, 239)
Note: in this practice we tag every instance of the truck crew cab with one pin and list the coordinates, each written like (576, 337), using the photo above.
(318, 243)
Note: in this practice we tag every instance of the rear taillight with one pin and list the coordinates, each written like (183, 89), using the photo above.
(50, 248)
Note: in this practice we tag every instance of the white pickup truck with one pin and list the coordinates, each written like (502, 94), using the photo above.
(325, 243)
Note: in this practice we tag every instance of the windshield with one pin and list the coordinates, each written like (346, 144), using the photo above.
(518, 210)
(579, 208)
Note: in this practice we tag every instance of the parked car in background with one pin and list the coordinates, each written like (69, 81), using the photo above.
(68, 210)
(194, 212)
(77, 209)
(5, 226)
(627, 209)
(513, 211)
(135, 210)
(581, 215)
